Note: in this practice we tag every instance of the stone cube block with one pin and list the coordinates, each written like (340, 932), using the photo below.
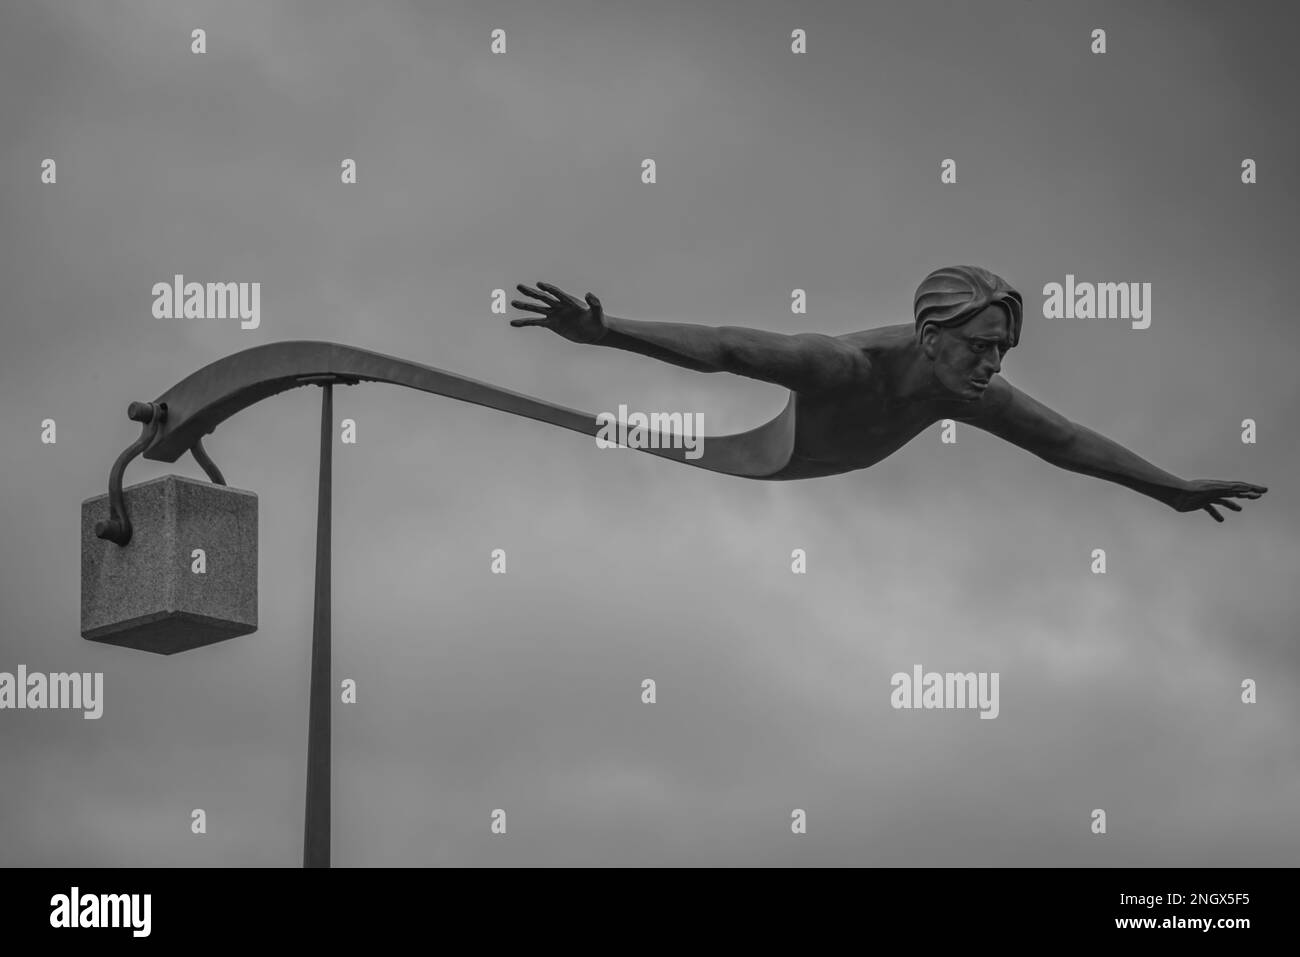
(147, 594)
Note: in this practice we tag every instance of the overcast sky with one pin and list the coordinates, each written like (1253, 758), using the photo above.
(775, 171)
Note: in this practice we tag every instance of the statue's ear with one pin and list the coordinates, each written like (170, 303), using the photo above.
(928, 337)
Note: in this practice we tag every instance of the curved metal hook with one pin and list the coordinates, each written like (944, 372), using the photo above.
(118, 527)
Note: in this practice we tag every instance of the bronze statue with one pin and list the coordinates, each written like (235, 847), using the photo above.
(857, 398)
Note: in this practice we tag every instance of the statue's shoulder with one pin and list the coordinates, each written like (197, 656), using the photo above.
(882, 340)
(879, 349)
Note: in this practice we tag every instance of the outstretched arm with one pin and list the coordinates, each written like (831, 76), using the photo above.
(1007, 412)
(804, 362)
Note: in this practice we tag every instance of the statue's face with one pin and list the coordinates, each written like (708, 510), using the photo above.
(966, 356)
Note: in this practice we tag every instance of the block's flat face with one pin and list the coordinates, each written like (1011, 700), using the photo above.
(223, 522)
(151, 594)
(121, 585)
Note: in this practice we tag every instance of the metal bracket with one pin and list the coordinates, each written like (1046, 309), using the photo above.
(152, 414)
(328, 378)
(201, 456)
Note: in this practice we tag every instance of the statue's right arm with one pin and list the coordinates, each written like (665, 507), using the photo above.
(803, 362)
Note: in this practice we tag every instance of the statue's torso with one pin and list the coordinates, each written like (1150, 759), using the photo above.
(855, 429)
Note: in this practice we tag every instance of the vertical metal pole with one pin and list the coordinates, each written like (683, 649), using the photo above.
(316, 827)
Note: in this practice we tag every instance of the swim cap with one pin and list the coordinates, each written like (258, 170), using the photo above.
(954, 294)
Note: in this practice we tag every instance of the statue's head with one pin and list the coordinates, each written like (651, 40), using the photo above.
(966, 320)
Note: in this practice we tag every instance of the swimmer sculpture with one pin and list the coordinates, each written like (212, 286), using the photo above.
(854, 399)
(857, 398)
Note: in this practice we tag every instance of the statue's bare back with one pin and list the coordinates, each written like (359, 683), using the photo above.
(848, 430)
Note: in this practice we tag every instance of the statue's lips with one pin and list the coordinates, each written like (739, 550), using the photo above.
(980, 383)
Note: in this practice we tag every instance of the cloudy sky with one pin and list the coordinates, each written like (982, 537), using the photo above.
(775, 171)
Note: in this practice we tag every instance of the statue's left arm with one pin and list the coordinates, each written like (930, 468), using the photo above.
(1010, 414)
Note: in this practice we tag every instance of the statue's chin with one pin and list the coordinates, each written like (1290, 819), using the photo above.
(968, 393)
(957, 389)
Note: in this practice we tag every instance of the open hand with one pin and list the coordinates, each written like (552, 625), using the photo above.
(563, 314)
(1207, 493)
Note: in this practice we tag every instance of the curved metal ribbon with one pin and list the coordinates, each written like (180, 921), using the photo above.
(199, 403)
